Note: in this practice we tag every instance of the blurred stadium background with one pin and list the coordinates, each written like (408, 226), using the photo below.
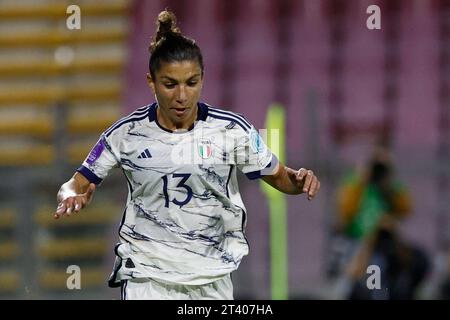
(343, 87)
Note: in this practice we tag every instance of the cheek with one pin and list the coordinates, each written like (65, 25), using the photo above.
(164, 94)
(195, 92)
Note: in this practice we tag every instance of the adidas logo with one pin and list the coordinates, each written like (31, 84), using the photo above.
(144, 155)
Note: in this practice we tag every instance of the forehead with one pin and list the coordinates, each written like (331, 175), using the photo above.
(179, 70)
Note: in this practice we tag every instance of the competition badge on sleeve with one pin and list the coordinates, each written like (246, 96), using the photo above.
(256, 142)
(95, 152)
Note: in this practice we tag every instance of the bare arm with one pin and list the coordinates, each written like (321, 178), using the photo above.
(74, 195)
(356, 269)
(292, 181)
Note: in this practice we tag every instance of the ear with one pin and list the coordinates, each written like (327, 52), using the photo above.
(150, 82)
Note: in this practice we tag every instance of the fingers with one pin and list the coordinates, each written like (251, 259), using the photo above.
(64, 208)
(291, 171)
(297, 176)
(90, 191)
(301, 173)
(71, 205)
(60, 210)
(75, 203)
(315, 186)
(308, 182)
(78, 204)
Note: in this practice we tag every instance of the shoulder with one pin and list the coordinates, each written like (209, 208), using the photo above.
(136, 116)
(230, 119)
(400, 187)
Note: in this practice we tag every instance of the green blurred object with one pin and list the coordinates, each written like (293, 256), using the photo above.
(278, 207)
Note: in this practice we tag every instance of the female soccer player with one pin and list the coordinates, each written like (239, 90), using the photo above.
(182, 233)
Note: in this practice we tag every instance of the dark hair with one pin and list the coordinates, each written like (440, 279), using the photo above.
(379, 171)
(170, 45)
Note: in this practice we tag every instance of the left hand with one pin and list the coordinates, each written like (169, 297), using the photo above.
(305, 180)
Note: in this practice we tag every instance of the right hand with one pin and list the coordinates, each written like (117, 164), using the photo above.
(75, 203)
(305, 180)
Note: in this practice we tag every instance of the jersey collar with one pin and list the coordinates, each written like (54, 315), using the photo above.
(202, 114)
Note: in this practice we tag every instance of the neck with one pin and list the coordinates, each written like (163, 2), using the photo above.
(167, 123)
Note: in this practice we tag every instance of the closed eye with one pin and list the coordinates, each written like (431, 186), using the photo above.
(169, 85)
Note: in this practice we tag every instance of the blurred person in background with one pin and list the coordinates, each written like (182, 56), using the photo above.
(182, 234)
(365, 198)
(370, 207)
(444, 285)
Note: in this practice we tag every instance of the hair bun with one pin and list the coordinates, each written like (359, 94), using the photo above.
(168, 44)
(167, 23)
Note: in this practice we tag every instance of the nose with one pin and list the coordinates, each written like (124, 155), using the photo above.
(181, 94)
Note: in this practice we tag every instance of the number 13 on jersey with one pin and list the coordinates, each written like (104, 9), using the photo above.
(181, 184)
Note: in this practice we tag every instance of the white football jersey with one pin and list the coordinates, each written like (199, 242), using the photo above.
(184, 220)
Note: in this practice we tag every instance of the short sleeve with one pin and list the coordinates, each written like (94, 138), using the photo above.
(253, 157)
(99, 162)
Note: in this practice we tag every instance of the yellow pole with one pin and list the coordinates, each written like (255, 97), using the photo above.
(275, 124)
